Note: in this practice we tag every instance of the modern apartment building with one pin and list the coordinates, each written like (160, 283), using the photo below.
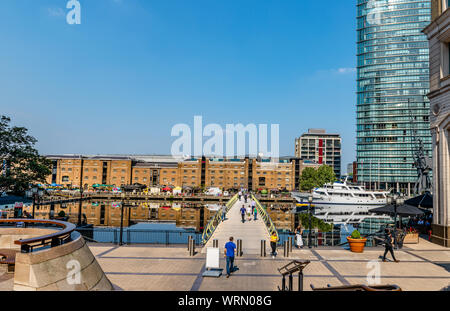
(250, 173)
(438, 33)
(320, 147)
(393, 80)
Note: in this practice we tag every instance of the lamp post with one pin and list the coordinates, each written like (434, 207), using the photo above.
(310, 199)
(81, 191)
(395, 199)
(36, 193)
(121, 218)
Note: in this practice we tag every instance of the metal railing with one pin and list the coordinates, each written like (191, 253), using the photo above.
(265, 217)
(139, 236)
(216, 220)
(332, 238)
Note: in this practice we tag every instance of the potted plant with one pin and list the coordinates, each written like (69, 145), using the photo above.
(356, 242)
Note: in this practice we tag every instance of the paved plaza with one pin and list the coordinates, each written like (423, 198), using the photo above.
(423, 266)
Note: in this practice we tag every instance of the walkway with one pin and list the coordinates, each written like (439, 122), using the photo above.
(147, 267)
(251, 232)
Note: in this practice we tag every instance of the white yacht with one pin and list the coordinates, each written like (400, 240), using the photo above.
(342, 203)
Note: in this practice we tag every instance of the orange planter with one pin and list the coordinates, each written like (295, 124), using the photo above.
(356, 245)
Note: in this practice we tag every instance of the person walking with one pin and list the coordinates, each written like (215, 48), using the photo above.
(229, 252)
(298, 237)
(253, 205)
(388, 245)
(249, 212)
(224, 212)
(255, 214)
(243, 213)
(245, 197)
(273, 243)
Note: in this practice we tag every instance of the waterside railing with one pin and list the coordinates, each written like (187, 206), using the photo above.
(216, 220)
(265, 217)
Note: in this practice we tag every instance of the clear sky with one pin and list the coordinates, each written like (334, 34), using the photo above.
(133, 69)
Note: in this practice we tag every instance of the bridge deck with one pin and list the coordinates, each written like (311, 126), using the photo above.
(251, 232)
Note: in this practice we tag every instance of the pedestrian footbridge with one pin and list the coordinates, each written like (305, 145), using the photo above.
(250, 232)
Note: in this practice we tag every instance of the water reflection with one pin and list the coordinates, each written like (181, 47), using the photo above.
(107, 213)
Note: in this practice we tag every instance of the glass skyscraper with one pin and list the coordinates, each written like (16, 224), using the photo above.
(393, 80)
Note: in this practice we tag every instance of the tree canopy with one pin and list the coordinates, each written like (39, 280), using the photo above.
(20, 162)
(316, 223)
(312, 178)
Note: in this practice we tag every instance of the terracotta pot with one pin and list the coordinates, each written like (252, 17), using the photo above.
(356, 245)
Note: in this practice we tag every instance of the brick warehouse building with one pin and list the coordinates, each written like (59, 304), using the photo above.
(223, 173)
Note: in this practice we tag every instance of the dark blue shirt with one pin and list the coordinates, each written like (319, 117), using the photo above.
(242, 210)
(230, 247)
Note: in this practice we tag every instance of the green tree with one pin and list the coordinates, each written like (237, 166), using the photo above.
(325, 174)
(20, 163)
(316, 223)
(308, 179)
(312, 178)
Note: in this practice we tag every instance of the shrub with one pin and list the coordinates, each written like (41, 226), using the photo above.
(356, 234)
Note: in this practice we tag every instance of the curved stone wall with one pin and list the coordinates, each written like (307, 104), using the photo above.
(68, 267)
(9, 235)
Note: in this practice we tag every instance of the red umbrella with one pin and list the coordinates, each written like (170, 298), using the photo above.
(166, 189)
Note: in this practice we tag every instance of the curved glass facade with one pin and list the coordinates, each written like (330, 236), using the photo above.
(393, 80)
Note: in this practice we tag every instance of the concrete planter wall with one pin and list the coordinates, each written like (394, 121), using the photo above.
(411, 238)
(57, 268)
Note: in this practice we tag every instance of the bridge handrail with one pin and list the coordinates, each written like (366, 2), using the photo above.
(267, 220)
(216, 220)
(54, 239)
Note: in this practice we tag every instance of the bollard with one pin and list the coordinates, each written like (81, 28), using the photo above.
(239, 248)
(290, 244)
(286, 248)
(263, 248)
(192, 247)
(216, 243)
(189, 243)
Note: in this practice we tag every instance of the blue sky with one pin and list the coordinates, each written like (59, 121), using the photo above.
(118, 82)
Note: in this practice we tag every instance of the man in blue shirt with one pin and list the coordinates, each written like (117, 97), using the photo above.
(229, 251)
(243, 213)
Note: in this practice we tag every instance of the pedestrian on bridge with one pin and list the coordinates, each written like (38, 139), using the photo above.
(240, 195)
(245, 197)
(255, 213)
(253, 205)
(249, 213)
(243, 213)
(230, 249)
(224, 212)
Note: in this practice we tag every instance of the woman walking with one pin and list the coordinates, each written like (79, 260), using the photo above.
(388, 244)
(273, 243)
(249, 212)
(298, 237)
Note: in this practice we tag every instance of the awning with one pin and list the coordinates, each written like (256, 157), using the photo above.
(424, 201)
(404, 210)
